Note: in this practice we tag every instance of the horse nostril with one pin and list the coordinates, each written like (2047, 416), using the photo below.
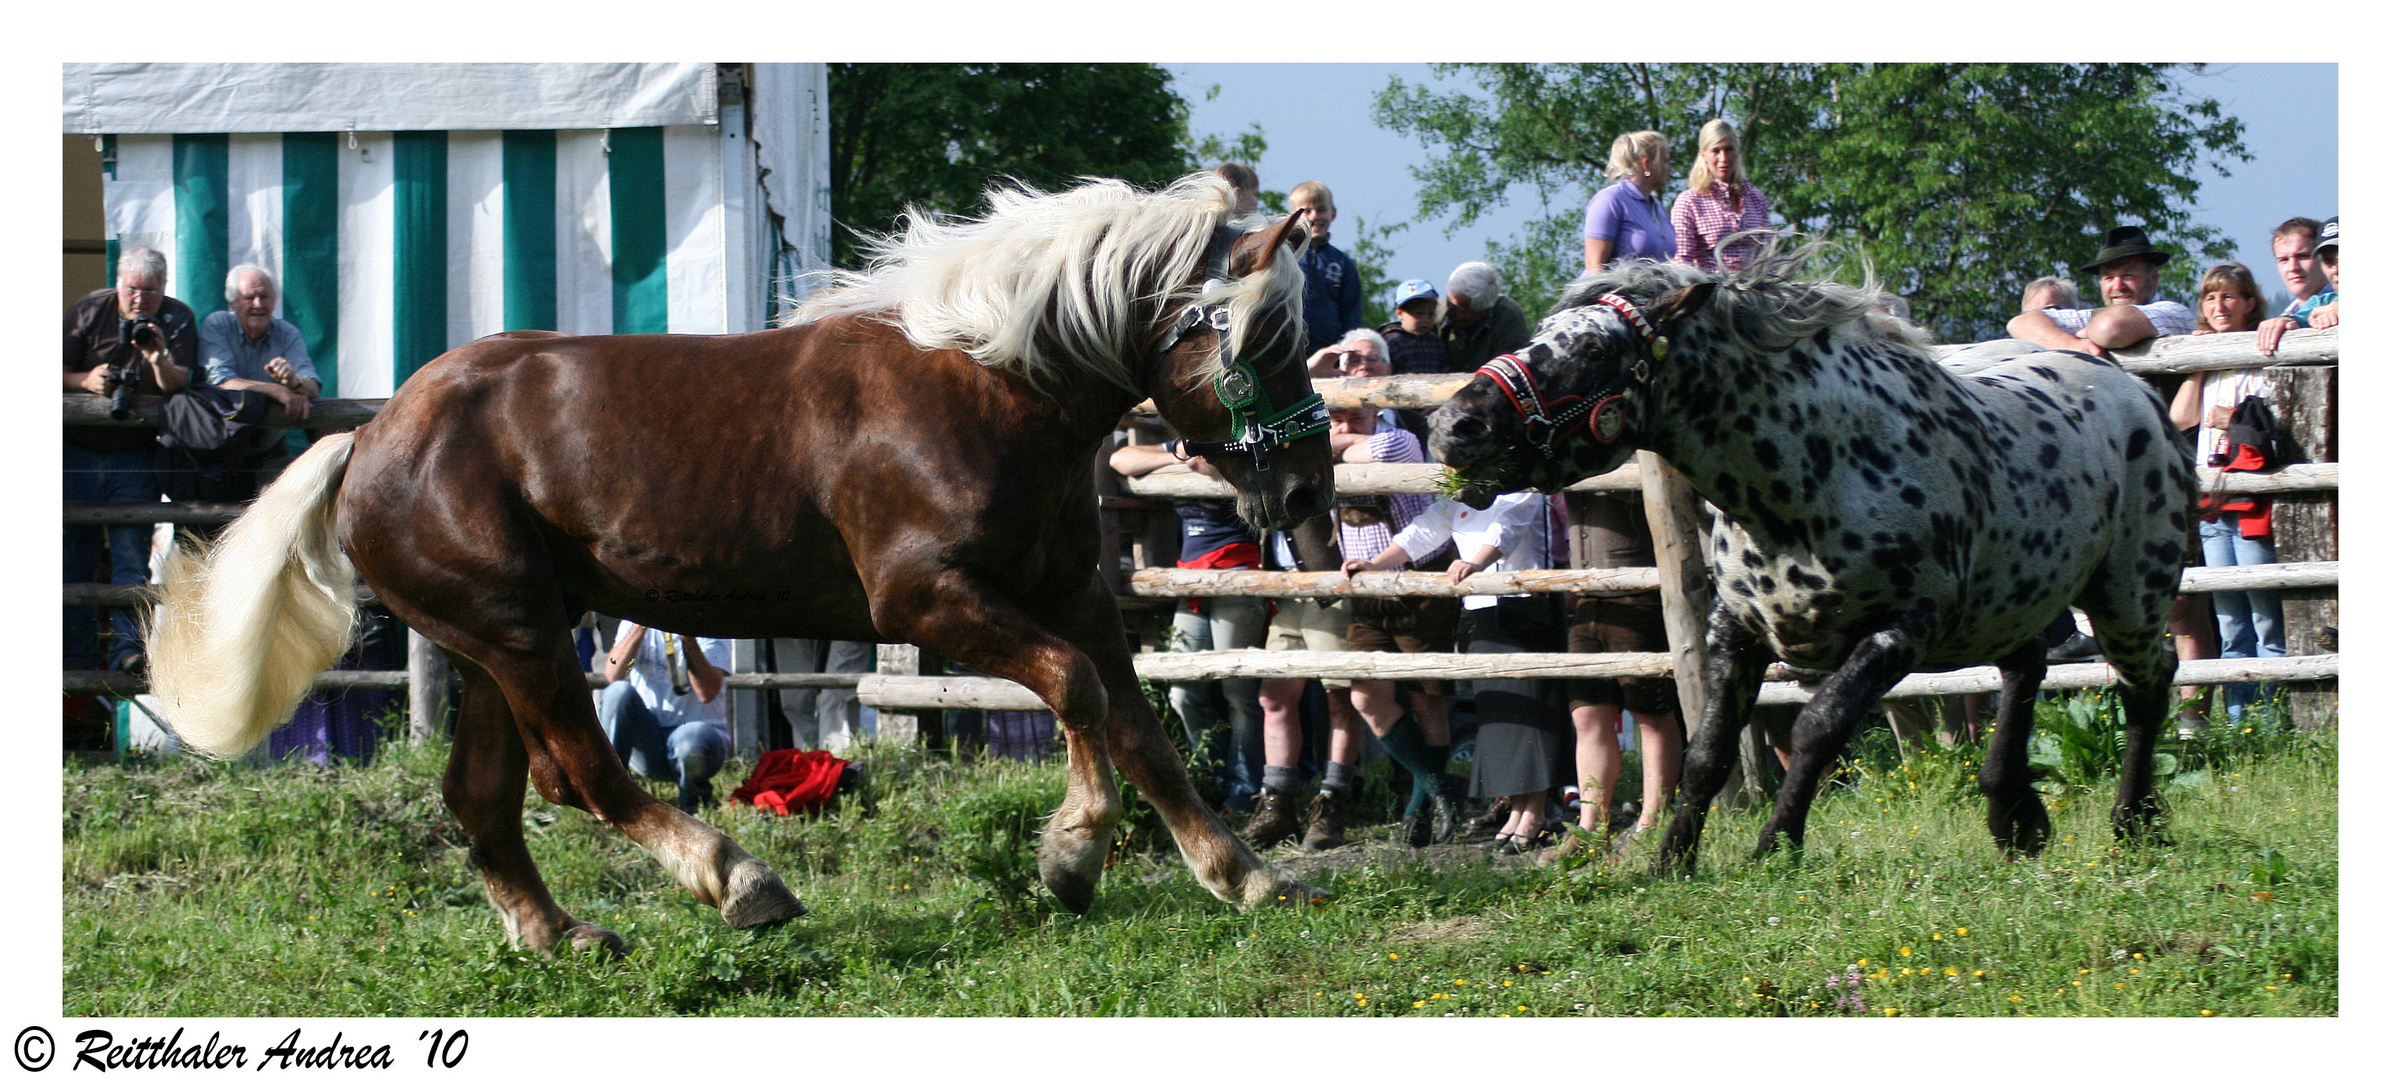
(1469, 427)
(1305, 501)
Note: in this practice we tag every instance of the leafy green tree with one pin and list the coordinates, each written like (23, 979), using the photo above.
(1954, 183)
(937, 135)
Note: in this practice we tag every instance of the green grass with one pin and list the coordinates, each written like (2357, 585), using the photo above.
(198, 889)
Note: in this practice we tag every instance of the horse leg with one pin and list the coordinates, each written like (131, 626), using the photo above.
(2013, 811)
(1825, 726)
(1138, 744)
(484, 787)
(573, 765)
(1736, 663)
(2146, 666)
(968, 621)
(536, 682)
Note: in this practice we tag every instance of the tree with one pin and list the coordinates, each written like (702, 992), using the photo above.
(1954, 183)
(937, 135)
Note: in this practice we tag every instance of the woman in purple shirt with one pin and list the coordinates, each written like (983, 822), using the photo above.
(1627, 220)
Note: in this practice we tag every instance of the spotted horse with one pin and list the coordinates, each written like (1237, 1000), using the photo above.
(1874, 513)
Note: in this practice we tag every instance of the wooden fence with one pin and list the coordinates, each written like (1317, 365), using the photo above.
(2302, 379)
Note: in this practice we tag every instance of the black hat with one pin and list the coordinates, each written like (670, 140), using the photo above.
(2126, 242)
(2330, 235)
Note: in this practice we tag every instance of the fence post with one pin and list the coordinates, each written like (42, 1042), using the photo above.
(2306, 529)
(899, 727)
(429, 684)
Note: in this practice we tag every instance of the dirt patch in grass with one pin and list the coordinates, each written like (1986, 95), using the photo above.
(1460, 930)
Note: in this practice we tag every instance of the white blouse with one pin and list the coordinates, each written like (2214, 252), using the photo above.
(1516, 523)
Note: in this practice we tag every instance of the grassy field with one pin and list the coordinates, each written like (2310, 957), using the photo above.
(198, 889)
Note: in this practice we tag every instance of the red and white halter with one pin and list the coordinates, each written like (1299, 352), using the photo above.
(1550, 421)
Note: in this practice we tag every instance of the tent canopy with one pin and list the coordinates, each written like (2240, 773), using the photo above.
(178, 99)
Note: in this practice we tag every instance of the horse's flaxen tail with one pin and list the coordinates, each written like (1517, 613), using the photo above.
(245, 624)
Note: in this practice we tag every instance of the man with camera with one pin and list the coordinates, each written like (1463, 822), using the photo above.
(132, 339)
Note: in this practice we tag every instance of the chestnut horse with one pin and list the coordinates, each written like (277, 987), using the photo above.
(909, 461)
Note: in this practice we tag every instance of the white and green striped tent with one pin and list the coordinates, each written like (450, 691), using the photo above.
(411, 208)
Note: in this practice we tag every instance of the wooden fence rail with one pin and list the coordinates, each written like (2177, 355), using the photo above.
(905, 693)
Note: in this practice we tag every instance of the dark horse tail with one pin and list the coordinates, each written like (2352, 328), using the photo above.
(245, 624)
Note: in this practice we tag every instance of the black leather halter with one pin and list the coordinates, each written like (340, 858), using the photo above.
(1550, 421)
(1258, 426)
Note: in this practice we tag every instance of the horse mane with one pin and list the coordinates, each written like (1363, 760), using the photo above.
(1050, 285)
(1781, 297)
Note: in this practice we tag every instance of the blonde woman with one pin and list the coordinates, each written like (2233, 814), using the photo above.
(1720, 203)
(2233, 529)
(1628, 219)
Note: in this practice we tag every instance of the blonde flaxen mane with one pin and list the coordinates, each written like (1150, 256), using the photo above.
(1053, 285)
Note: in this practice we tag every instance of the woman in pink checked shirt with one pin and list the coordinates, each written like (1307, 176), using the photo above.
(1720, 203)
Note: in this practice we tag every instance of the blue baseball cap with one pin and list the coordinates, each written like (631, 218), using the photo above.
(1414, 289)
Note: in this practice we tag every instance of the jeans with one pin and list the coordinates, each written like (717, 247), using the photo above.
(1221, 719)
(2250, 623)
(688, 753)
(826, 718)
(123, 476)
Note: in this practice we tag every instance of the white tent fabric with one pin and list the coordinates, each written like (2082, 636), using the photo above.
(182, 99)
(790, 131)
(512, 225)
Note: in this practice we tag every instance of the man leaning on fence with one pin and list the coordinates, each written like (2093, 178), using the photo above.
(2133, 312)
(137, 339)
(247, 348)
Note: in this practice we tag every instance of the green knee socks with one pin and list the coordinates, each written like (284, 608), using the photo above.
(1406, 742)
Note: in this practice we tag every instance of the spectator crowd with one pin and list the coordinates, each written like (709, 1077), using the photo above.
(1543, 759)
(1540, 761)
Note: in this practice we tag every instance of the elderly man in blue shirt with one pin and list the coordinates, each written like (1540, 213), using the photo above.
(248, 348)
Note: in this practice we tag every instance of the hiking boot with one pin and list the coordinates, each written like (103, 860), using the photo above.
(1492, 818)
(1417, 828)
(1325, 823)
(1272, 823)
(1567, 845)
(1446, 819)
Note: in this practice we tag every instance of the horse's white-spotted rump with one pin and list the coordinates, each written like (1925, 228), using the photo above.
(1875, 513)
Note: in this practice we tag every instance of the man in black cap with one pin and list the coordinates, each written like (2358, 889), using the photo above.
(2128, 269)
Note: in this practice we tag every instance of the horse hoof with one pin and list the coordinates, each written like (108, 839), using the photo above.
(1070, 864)
(585, 937)
(1075, 892)
(1284, 891)
(755, 896)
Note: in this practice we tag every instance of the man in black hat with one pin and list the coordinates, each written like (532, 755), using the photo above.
(2128, 269)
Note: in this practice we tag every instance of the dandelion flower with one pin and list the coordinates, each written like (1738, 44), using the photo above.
(1959, 930)
(1905, 950)
(2014, 998)
(1892, 1012)
(2209, 1012)
(1976, 974)
(1392, 956)
(1458, 982)
(1951, 971)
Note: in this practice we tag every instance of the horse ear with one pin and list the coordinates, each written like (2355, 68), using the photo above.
(1681, 304)
(1257, 257)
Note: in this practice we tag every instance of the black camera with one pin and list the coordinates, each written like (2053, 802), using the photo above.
(143, 332)
(144, 326)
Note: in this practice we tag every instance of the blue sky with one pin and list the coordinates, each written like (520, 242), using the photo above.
(1318, 126)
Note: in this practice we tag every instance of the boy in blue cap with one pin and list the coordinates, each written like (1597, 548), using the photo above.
(1414, 337)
